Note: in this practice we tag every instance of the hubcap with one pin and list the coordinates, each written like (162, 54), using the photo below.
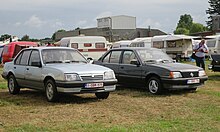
(153, 86)
(11, 84)
(49, 91)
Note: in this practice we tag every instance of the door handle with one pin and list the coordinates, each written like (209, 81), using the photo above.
(27, 68)
(122, 67)
(14, 67)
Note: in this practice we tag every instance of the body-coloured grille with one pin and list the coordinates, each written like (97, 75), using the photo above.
(95, 77)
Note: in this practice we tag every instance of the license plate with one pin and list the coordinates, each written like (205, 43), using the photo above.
(93, 85)
(193, 81)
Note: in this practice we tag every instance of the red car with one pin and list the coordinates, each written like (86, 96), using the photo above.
(11, 50)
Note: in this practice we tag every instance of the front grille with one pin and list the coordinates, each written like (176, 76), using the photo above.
(90, 77)
(190, 74)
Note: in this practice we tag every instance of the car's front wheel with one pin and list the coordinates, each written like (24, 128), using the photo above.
(102, 95)
(51, 91)
(13, 87)
(154, 85)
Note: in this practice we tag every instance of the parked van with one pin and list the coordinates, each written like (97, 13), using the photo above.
(142, 42)
(11, 50)
(92, 47)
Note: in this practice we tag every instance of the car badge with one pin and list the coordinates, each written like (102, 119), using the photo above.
(93, 75)
(191, 74)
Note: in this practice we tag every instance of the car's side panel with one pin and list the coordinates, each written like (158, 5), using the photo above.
(19, 74)
(130, 74)
(33, 76)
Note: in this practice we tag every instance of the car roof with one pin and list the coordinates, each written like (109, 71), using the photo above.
(42, 48)
(135, 48)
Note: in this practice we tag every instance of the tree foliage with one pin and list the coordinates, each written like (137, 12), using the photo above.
(181, 31)
(214, 9)
(197, 27)
(4, 37)
(25, 38)
(187, 26)
(185, 21)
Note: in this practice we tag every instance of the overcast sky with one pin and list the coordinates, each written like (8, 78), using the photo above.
(41, 18)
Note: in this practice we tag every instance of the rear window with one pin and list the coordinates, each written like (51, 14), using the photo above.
(100, 45)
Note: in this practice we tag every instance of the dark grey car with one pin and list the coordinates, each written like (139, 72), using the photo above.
(151, 68)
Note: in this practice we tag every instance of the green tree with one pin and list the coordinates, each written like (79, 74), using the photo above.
(4, 37)
(197, 27)
(25, 38)
(181, 31)
(54, 34)
(214, 9)
(185, 21)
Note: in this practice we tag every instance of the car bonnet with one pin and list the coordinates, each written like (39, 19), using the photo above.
(80, 68)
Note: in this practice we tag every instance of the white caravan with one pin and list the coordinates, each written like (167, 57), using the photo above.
(213, 43)
(122, 43)
(92, 47)
(177, 46)
(142, 42)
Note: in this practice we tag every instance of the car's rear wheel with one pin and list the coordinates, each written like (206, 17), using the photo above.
(154, 85)
(13, 87)
(51, 91)
(102, 95)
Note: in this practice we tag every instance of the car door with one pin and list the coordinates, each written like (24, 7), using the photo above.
(130, 73)
(20, 66)
(33, 71)
(111, 60)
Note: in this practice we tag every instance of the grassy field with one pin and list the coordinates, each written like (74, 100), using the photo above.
(124, 110)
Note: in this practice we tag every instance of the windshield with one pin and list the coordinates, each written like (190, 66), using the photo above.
(62, 56)
(153, 55)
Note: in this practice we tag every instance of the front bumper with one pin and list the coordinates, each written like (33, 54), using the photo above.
(181, 83)
(79, 87)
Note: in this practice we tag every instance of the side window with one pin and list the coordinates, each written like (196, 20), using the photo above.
(25, 57)
(128, 56)
(18, 59)
(106, 59)
(115, 57)
(34, 58)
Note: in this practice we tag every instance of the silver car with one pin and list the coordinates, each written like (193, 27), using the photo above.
(55, 70)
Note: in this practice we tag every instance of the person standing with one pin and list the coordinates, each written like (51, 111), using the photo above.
(200, 49)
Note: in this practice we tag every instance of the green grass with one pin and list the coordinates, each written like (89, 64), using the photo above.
(125, 110)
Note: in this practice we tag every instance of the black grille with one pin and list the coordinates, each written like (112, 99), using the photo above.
(190, 74)
(95, 77)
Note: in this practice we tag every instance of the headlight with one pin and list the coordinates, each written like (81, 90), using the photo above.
(71, 77)
(109, 75)
(175, 75)
(202, 73)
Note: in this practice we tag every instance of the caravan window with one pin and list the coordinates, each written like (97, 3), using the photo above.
(100, 45)
(210, 43)
(74, 45)
(158, 44)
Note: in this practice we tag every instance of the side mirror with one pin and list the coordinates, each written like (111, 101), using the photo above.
(135, 62)
(37, 64)
(90, 60)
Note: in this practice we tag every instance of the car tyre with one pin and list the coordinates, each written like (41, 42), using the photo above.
(102, 95)
(13, 87)
(154, 85)
(51, 91)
